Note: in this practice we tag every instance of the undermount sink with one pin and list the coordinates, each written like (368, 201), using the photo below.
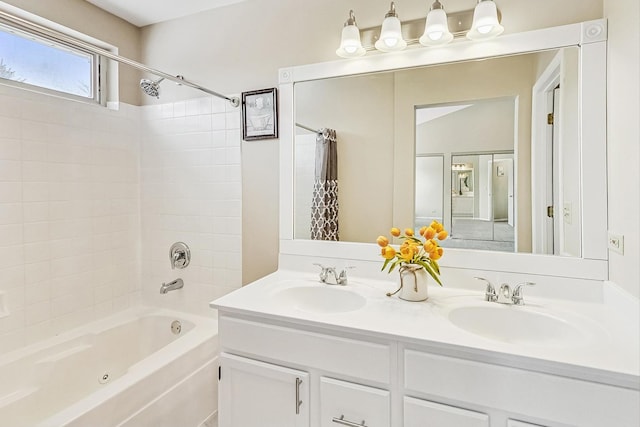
(516, 325)
(321, 299)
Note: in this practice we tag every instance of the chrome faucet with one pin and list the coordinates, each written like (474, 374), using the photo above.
(340, 278)
(171, 286)
(490, 291)
(505, 295)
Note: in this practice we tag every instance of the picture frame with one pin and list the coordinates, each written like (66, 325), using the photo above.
(260, 114)
(500, 170)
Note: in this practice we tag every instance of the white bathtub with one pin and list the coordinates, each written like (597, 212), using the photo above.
(129, 369)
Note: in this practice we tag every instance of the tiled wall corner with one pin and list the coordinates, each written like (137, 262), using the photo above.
(191, 192)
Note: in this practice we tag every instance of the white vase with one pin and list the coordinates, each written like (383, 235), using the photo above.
(413, 283)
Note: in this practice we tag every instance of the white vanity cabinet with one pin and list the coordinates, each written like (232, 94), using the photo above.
(278, 376)
(281, 374)
(256, 394)
(508, 394)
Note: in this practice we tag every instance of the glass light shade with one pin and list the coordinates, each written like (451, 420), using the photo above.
(436, 29)
(391, 35)
(350, 44)
(485, 21)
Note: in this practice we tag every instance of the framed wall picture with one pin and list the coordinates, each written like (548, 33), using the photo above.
(260, 114)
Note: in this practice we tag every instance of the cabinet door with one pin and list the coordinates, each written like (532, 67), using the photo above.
(258, 394)
(346, 403)
(422, 413)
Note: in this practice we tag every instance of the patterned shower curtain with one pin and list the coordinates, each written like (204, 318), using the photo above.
(324, 206)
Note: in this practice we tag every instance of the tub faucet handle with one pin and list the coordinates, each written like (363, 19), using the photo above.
(490, 291)
(179, 255)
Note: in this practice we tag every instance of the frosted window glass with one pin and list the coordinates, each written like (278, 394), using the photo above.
(37, 62)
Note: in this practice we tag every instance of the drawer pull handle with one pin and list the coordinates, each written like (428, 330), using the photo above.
(298, 401)
(344, 422)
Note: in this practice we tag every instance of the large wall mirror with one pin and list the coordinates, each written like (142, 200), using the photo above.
(477, 116)
(492, 145)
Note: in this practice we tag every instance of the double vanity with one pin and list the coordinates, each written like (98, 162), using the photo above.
(299, 352)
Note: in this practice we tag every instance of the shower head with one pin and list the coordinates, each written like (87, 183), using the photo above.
(150, 87)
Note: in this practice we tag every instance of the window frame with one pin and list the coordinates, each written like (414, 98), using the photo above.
(98, 72)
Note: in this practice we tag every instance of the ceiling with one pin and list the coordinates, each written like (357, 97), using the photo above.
(146, 12)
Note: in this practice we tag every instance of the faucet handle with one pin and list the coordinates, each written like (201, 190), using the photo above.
(490, 291)
(517, 296)
(324, 271)
(342, 277)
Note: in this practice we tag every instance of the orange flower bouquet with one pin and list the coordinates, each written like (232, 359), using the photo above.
(423, 252)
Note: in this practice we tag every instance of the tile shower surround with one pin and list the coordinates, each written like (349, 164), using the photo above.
(82, 205)
(191, 192)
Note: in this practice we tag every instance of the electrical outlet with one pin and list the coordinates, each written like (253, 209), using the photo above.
(567, 213)
(616, 243)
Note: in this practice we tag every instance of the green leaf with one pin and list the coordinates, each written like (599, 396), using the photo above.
(394, 265)
(435, 265)
(386, 262)
(431, 272)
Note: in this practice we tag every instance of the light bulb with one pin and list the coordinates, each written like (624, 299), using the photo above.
(391, 41)
(350, 44)
(350, 48)
(485, 21)
(436, 27)
(391, 32)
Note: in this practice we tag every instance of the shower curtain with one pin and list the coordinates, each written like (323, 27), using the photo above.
(324, 206)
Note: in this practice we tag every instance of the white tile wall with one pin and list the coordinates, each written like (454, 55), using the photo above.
(91, 199)
(191, 192)
(69, 213)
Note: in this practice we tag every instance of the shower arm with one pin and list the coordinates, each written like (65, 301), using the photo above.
(60, 37)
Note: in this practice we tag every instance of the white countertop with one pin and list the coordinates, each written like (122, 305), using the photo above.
(610, 355)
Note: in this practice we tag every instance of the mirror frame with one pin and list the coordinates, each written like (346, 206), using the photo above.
(590, 36)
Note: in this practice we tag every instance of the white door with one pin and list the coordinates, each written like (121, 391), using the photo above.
(258, 394)
(421, 413)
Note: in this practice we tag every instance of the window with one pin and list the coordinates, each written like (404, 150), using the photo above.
(31, 61)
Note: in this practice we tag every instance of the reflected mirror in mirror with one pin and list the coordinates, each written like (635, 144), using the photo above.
(387, 156)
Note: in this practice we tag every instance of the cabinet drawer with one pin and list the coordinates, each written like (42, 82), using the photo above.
(523, 393)
(420, 413)
(360, 359)
(514, 423)
(343, 402)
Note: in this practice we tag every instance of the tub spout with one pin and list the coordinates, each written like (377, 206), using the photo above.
(171, 286)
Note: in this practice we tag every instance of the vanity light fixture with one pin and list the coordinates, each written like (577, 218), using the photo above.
(436, 28)
(485, 21)
(350, 44)
(439, 28)
(391, 33)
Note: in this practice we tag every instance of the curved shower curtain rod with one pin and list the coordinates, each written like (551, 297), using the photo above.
(60, 37)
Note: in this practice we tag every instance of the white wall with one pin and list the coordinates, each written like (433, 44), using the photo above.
(241, 47)
(191, 192)
(69, 222)
(623, 139)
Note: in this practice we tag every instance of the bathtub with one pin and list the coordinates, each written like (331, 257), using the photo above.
(140, 367)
